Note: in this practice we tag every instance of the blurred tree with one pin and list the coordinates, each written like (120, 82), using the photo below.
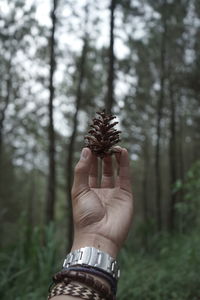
(13, 40)
(145, 204)
(175, 59)
(163, 11)
(51, 188)
(157, 96)
(4, 105)
(18, 29)
(111, 71)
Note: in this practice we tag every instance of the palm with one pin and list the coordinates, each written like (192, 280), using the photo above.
(104, 211)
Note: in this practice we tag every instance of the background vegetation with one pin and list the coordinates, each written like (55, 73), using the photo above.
(60, 62)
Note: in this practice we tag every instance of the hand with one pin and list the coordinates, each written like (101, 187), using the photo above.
(102, 215)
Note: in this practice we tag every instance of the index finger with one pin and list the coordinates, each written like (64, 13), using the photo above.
(124, 171)
(81, 173)
(93, 175)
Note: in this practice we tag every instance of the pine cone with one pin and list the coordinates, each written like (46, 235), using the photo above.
(103, 136)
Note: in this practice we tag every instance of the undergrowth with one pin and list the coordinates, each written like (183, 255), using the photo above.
(26, 268)
(169, 272)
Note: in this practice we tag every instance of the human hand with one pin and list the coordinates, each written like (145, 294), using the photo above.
(102, 214)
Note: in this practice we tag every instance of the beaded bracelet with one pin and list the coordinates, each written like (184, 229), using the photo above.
(75, 290)
(82, 277)
(94, 271)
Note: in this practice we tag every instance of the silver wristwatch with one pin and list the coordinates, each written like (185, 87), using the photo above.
(93, 257)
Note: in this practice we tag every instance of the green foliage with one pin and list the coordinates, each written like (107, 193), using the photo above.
(170, 273)
(188, 209)
(26, 268)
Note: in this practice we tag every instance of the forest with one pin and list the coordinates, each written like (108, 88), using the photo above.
(61, 61)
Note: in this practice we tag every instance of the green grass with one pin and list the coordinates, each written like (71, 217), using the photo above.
(27, 268)
(170, 271)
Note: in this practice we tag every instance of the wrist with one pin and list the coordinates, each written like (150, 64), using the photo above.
(96, 241)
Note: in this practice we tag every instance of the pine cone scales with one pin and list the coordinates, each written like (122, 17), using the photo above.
(103, 136)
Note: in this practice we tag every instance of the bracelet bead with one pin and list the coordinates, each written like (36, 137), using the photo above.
(66, 276)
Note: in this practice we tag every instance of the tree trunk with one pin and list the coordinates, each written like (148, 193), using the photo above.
(70, 150)
(4, 108)
(158, 126)
(111, 72)
(51, 185)
(30, 210)
(180, 149)
(172, 157)
(144, 191)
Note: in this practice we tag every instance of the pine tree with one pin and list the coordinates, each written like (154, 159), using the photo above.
(51, 188)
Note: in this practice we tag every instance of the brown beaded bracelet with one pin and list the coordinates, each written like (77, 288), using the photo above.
(75, 290)
(97, 273)
(81, 277)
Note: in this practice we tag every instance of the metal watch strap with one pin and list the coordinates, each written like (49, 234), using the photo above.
(93, 257)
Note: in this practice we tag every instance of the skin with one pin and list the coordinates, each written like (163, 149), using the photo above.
(102, 213)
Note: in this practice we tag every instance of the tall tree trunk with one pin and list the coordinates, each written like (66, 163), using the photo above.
(111, 72)
(181, 151)
(158, 126)
(70, 150)
(51, 185)
(4, 108)
(172, 157)
(144, 191)
(30, 210)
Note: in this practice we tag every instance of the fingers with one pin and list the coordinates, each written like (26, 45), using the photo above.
(117, 181)
(124, 172)
(93, 176)
(118, 153)
(81, 173)
(107, 176)
(86, 172)
(117, 156)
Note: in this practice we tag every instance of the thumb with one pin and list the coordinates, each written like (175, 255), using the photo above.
(81, 173)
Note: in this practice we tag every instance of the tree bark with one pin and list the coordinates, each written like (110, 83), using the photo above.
(70, 150)
(172, 157)
(51, 185)
(144, 195)
(4, 108)
(181, 150)
(111, 72)
(180, 145)
(158, 126)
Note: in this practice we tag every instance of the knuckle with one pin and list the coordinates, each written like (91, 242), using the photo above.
(79, 168)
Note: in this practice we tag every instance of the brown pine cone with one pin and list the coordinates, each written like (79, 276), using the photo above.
(103, 136)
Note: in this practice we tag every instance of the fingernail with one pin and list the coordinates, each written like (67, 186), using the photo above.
(84, 153)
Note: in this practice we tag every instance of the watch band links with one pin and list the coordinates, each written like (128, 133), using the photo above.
(93, 257)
